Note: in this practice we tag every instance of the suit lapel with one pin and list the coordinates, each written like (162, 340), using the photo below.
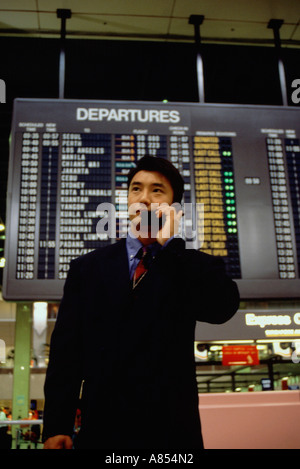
(117, 270)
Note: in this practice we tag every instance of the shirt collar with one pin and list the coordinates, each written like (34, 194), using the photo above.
(133, 245)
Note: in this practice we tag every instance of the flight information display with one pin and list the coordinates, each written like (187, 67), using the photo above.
(69, 162)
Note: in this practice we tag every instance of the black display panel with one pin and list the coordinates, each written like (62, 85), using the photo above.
(68, 158)
(271, 324)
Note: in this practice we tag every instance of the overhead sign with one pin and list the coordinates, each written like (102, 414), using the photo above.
(254, 324)
(68, 157)
(233, 355)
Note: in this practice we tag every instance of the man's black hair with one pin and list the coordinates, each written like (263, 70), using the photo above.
(164, 167)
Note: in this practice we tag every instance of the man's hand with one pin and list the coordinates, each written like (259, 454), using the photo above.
(59, 442)
(171, 225)
(151, 232)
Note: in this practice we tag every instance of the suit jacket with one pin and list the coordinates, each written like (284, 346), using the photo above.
(134, 349)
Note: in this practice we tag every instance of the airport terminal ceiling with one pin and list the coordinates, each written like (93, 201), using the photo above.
(226, 21)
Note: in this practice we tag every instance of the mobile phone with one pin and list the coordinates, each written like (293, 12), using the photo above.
(149, 220)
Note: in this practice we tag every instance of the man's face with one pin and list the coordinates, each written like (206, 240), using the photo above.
(148, 188)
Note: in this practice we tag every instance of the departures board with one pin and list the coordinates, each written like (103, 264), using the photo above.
(240, 163)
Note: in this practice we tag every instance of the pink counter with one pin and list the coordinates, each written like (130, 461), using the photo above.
(253, 420)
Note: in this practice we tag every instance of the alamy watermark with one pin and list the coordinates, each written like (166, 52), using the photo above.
(187, 221)
(2, 91)
(296, 352)
(295, 355)
(295, 97)
(2, 351)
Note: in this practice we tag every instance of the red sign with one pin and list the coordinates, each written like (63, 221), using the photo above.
(240, 355)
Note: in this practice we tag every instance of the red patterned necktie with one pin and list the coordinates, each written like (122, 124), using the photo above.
(142, 266)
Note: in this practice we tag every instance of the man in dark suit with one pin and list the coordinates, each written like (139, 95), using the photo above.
(128, 336)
